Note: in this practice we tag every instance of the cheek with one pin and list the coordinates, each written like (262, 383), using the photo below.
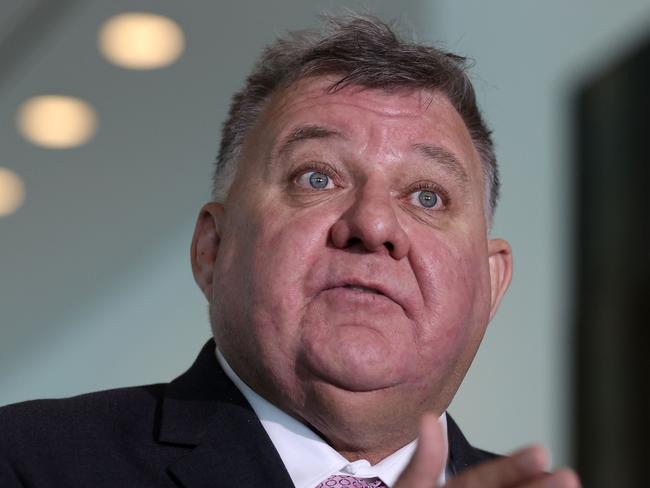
(454, 280)
(268, 262)
(286, 249)
(259, 296)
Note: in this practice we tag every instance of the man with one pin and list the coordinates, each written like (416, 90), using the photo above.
(350, 279)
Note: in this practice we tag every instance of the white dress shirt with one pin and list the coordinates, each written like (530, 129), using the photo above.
(307, 457)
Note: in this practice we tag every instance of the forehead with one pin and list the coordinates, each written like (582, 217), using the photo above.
(319, 90)
(389, 120)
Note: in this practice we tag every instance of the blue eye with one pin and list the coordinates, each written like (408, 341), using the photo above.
(315, 180)
(425, 198)
(318, 180)
(428, 199)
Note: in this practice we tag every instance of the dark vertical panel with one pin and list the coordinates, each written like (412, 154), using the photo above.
(612, 257)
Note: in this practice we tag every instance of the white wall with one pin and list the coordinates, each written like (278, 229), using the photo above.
(146, 326)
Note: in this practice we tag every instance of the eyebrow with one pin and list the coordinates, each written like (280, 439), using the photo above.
(306, 132)
(443, 157)
(436, 154)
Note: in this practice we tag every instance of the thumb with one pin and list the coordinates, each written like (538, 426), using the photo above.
(429, 458)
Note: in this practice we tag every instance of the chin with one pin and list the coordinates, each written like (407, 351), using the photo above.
(356, 356)
(363, 372)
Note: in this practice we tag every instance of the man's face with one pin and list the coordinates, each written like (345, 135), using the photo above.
(351, 256)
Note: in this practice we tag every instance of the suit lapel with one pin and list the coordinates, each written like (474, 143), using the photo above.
(461, 454)
(204, 410)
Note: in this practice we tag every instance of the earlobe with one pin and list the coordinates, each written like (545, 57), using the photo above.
(205, 246)
(500, 264)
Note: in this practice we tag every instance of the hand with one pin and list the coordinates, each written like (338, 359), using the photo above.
(523, 469)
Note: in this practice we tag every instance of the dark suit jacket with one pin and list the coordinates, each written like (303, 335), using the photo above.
(197, 431)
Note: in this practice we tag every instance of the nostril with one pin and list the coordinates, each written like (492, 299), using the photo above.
(358, 243)
(353, 241)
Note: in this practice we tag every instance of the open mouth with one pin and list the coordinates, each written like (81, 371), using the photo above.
(363, 289)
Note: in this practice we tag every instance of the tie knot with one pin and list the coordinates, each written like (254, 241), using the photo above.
(345, 481)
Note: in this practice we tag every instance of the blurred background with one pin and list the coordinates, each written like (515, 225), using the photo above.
(97, 209)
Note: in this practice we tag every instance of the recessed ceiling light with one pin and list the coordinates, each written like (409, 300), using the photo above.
(139, 40)
(12, 192)
(56, 121)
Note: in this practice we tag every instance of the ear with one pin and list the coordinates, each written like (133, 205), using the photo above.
(205, 246)
(500, 264)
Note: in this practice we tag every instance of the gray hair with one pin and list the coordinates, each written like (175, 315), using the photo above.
(366, 52)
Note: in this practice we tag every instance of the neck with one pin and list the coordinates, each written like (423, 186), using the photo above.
(359, 425)
(362, 425)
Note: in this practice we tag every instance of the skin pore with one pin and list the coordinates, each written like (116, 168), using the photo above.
(349, 272)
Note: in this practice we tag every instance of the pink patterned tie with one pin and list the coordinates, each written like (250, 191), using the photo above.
(344, 481)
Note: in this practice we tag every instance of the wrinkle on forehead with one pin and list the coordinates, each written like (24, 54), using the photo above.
(311, 90)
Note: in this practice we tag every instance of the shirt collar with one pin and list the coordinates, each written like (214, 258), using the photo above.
(309, 459)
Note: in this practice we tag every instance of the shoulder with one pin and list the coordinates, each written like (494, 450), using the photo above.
(51, 417)
(55, 434)
(121, 437)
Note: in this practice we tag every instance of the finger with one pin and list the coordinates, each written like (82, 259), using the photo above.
(429, 458)
(563, 478)
(515, 470)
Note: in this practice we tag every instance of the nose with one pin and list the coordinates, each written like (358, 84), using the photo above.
(371, 222)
